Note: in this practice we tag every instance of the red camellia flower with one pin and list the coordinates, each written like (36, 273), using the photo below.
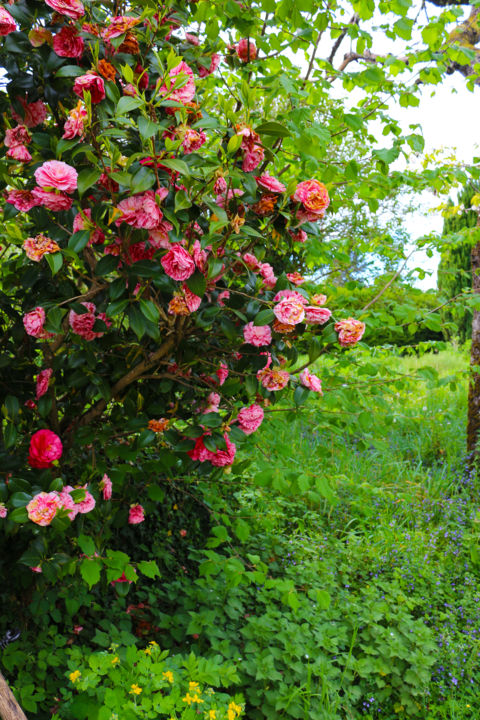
(67, 43)
(7, 23)
(45, 447)
(93, 83)
(178, 263)
(246, 50)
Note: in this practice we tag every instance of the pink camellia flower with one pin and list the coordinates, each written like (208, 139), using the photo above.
(192, 39)
(33, 323)
(290, 294)
(67, 43)
(318, 299)
(20, 153)
(130, 90)
(289, 311)
(269, 183)
(35, 248)
(250, 418)
(3, 511)
(257, 335)
(34, 113)
(142, 211)
(66, 502)
(312, 382)
(122, 579)
(36, 569)
(246, 50)
(87, 504)
(71, 8)
(182, 94)
(158, 237)
(178, 263)
(136, 514)
(22, 200)
(119, 25)
(7, 23)
(91, 82)
(295, 278)
(213, 403)
(299, 236)
(106, 487)
(58, 175)
(83, 221)
(55, 201)
(200, 256)
(273, 379)
(192, 301)
(252, 158)
(42, 382)
(43, 507)
(268, 275)
(220, 186)
(214, 63)
(251, 262)
(222, 373)
(82, 323)
(224, 295)
(77, 629)
(191, 139)
(313, 195)
(45, 448)
(18, 135)
(350, 331)
(316, 315)
(219, 458)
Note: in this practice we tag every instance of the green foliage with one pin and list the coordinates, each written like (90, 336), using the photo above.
(455, 268)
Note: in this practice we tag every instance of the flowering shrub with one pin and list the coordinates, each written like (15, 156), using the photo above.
(135, 682)
(150, 322)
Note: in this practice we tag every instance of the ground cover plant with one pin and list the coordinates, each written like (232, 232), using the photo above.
(165, 175)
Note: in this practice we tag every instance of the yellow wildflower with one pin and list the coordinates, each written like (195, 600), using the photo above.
(74, 676)
(136, 690)
(188, 699)
(168, 675)
(212, 715)
(115, 660)
(194, 686)
(148, 651)
(233, 711)
(153, 643)
(197, 699)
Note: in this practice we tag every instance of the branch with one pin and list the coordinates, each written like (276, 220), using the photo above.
(354, 20)
(385, 288)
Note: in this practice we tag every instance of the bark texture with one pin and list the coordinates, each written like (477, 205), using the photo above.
(9, 708)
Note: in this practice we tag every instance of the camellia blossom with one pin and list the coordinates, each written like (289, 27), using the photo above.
(267, 182)
(136, 514)
(87, 504)
(93, 84)
(182, 94)
(43, 507)
(33, 323)
(71, 8)
(219, 458)
(35, 248)
(142, 211)
(178, 263)
(214, 63)
(246, 50)
(82, 323)
(295, 278)
(312, 382)
(45, 448)
(33, 113)
(7, 23)
(318, 299)
(289, 311)
(158, 426)
(22, 200)
(268, 275)
(67, 43)
(75, 124)
(257, 335)
(42, 382)
(3, 511)
(250, 418)
(55, 201)
(350, 331)
(290, 294)
(316, 315)
(222, 373)
(83, 221)
(314, 197)
(119, 25)
(58, 175)
(299, 236)
(106, 487)
(273, 379)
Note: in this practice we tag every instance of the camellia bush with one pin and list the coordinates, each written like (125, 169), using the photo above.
(146, 330)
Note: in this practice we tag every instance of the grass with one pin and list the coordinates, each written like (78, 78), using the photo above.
(398, 497)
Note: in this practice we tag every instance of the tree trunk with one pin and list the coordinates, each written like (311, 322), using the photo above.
(473, 424)
(9, 708)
